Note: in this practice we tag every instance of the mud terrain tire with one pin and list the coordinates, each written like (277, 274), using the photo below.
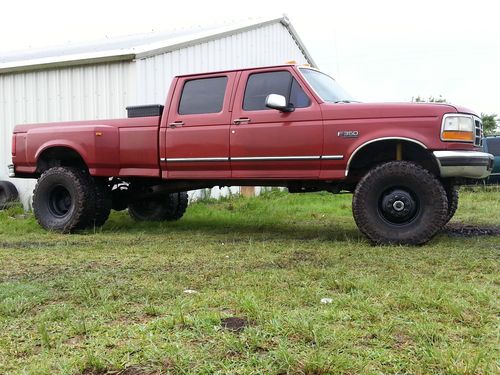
(452, 195)
(399, 202)
(8, 194)
(63, 199)
(169, 207)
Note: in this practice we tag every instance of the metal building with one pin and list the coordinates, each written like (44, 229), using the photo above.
(97, 81)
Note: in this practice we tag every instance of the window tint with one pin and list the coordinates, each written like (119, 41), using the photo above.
(298, 97)
(204, 95)
(260, 85)
(493, 146)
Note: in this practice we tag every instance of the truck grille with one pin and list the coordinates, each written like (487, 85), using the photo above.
(478, 138)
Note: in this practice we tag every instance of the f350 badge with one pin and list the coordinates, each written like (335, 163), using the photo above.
(348, 134)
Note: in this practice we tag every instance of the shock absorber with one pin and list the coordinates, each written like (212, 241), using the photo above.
(399, 151)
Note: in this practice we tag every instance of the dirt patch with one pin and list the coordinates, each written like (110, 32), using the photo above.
(36, 244)
(469, 230)
(25, 245)
(234, 324)
(94, 372)
(133, 370)
(136, 371)
(303, 256)
(401, 341)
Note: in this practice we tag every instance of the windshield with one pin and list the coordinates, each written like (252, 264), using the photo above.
(326, 87)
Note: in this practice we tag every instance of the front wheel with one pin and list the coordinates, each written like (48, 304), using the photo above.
(452, 195)
(399, 202)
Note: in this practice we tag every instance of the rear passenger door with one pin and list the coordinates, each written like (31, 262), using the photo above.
(197, 135)
(267, 143)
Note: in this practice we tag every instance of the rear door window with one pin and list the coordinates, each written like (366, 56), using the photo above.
(204, 95)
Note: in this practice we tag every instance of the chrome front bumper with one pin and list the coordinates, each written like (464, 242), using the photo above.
(12, 172)
(467, 164)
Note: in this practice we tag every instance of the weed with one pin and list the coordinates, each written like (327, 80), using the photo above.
(44, 335)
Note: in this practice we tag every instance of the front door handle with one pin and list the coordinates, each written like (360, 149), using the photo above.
(242, 120)
(176, 124)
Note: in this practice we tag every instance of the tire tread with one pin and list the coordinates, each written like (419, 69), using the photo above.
(84, 207)
(408, 171)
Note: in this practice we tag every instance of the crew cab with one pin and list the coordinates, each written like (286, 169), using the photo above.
(290, 126)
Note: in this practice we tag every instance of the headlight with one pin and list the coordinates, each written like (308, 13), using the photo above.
(457, 128)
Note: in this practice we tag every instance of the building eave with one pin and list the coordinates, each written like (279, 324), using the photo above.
(64, 62)
(286, 22)
(151, 51)
(148, 50)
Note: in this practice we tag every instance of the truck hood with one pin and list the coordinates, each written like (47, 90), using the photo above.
(335, 111)
(118, 123)
(461, 109)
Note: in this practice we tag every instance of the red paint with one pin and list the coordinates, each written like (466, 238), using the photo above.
(201, 135)
(135, 146)
(13, 146)
(125, 144)
(272, 133)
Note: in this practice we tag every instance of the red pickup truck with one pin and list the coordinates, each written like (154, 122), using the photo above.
(289, 126)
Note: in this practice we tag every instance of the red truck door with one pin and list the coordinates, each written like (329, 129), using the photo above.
(197, 135)
(267, 143)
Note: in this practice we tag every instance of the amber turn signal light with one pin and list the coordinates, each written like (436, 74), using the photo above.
(450, 135)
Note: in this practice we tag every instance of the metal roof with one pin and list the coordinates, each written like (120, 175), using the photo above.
(133, 47)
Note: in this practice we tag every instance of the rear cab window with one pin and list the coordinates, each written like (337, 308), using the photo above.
(204, 95)
(200, 100)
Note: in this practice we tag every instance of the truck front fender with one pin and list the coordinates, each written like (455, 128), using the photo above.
(359, 146)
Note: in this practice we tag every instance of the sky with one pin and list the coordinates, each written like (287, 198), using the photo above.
(378, 50)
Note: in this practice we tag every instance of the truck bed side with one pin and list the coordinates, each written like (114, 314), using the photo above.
(122, 147)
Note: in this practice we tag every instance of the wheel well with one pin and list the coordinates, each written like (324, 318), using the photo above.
(57, 157)
(381, 151)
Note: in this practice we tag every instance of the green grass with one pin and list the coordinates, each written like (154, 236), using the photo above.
(111, 299)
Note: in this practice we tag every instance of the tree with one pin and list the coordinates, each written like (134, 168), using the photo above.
(430, 99)
(490, 123)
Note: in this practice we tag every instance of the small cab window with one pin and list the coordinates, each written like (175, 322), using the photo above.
(493, 146)
(205, 95)
(260, 85)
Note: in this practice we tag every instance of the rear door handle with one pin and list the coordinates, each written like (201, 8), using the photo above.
(176, 124)
(242, 120)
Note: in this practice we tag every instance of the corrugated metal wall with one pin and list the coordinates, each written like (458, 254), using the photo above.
(267, 45)
(104, 90)
(76, 93)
